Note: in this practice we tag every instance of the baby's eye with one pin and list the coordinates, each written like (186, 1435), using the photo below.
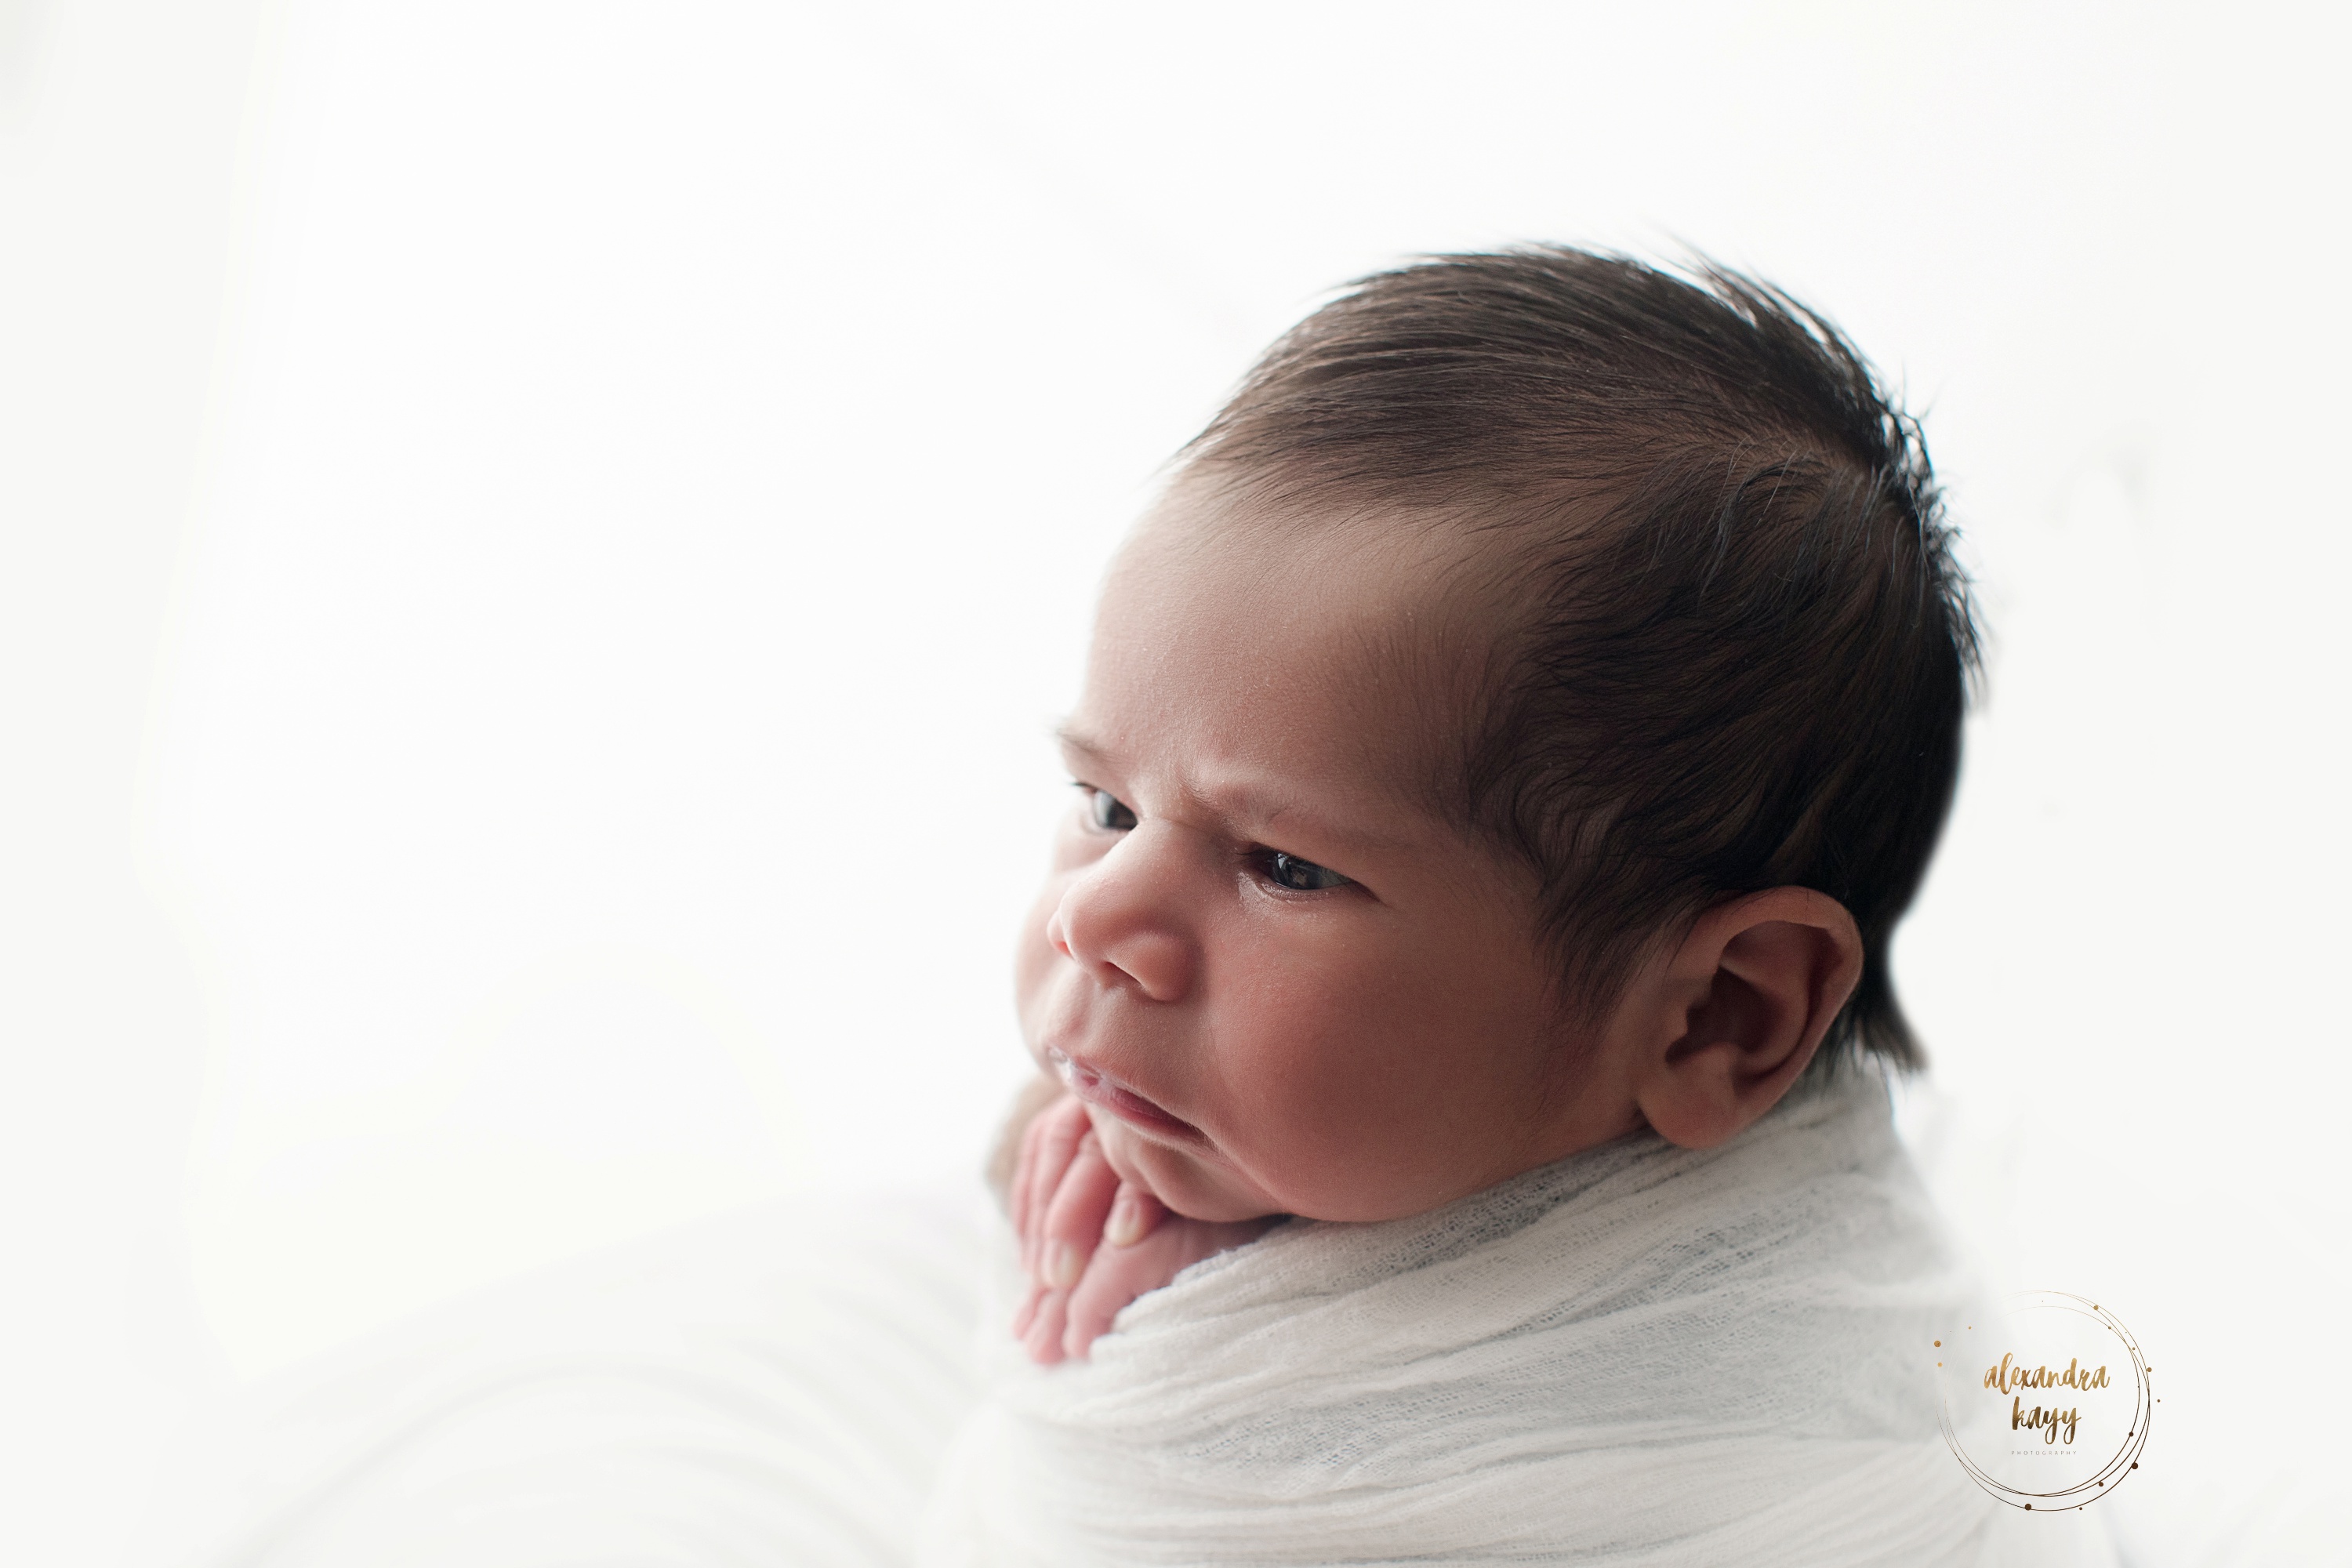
(1107, 811)
(1302, 876)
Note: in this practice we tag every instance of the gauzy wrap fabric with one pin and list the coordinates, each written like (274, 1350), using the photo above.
(1641, 1354)
(775, 1386)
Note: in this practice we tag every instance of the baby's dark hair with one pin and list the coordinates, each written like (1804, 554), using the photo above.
(1735, 649)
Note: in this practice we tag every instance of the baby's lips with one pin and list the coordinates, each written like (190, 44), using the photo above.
(1097, 1088)
(1086, 1082)
(1083, 1082)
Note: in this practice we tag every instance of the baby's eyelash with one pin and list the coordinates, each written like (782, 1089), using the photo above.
(1105, 810)
(1296, 873)
(1109, 814)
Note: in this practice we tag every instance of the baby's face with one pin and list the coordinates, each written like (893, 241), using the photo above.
(1281, 982)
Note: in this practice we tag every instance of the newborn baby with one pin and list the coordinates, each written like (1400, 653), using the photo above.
(1506, 751)
(1520, 725)
(1281, 972)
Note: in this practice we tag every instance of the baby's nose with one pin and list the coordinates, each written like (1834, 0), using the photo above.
(1122, 925)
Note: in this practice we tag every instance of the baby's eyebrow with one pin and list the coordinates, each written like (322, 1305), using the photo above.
(1242, 800)
(1070, 737)
(1324, 829)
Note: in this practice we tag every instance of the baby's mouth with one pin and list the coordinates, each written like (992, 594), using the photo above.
(1095, 1088)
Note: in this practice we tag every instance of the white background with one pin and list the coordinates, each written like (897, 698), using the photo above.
(539, 545)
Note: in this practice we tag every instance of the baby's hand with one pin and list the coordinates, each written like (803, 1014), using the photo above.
(1090, 1242)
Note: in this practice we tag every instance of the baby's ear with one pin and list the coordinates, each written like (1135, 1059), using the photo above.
(1725, 1027)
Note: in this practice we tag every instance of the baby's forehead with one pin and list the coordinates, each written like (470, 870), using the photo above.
(1351, 639)
(1403, 587)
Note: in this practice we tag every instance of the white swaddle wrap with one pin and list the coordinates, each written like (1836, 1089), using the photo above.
(1641, 1354)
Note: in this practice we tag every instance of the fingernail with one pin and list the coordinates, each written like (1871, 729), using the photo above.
(1063, 1265)
(1125, 1227)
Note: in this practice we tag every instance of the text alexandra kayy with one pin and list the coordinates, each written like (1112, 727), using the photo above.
(2049, 1420)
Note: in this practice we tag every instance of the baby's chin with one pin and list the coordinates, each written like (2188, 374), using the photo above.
(1198, 1185)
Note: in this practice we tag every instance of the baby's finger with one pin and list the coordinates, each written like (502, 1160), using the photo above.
(1051, 1143)
(1028, 1312)
(1025, 1192)
(1049, 1328)
(1074, 1223)
(1119, 1275)
(1135, 1214)
(1024, 1181)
